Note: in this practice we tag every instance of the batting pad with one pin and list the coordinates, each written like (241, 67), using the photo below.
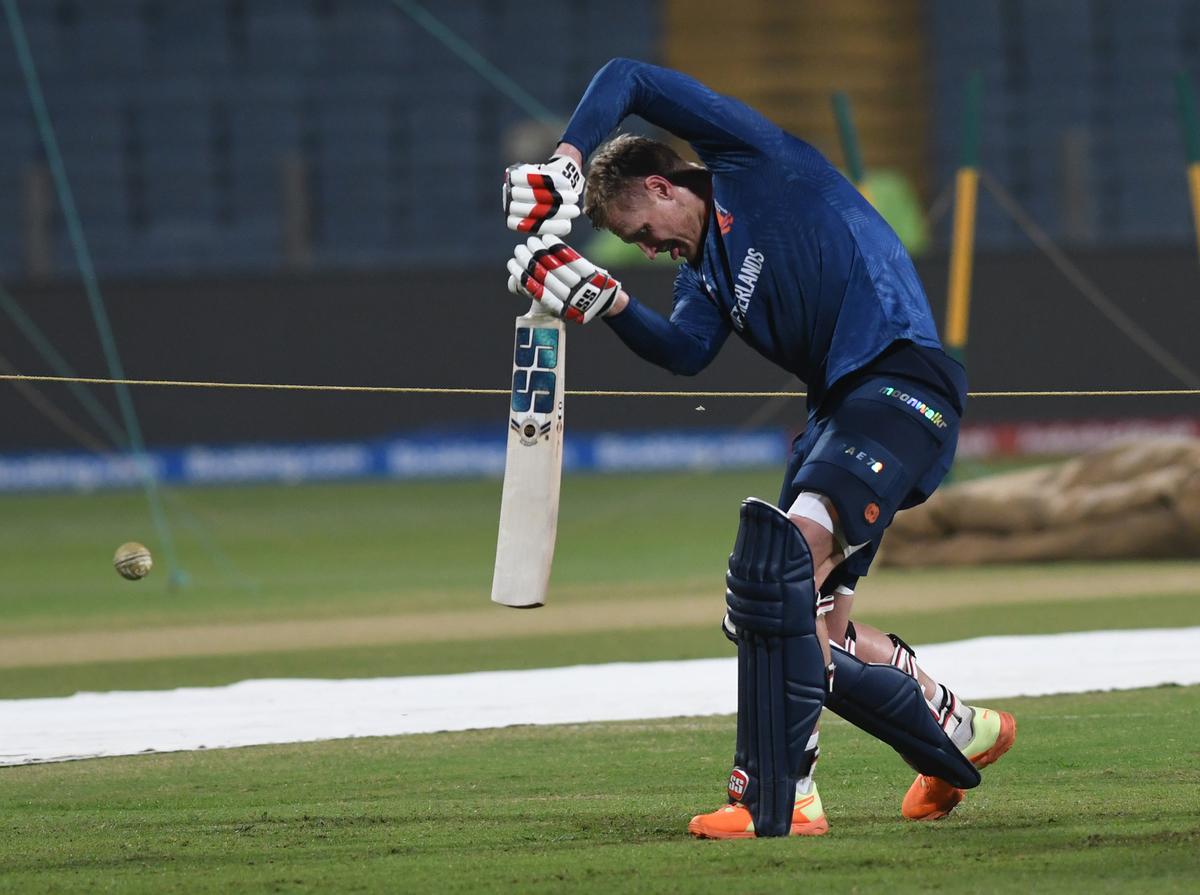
(781, 675)
(889, 705)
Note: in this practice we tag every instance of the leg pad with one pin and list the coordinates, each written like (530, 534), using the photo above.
(781, 677)
(889, 705)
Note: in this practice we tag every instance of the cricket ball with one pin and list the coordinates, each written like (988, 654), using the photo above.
(132, 561)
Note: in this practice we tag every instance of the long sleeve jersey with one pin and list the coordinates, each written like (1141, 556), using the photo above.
(794, 260)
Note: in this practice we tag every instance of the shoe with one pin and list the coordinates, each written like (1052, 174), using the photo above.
(734, 822)
(931, 798)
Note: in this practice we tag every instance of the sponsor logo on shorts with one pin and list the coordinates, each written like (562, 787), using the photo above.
(738, 781)
(934, 416)
(871, 512)
(850, 450)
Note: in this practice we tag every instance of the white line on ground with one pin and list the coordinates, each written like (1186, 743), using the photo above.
(90, 725)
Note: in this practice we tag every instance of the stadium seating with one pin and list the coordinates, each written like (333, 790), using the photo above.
(108, 40)
(189, 38)
(175, 120)
(1098, 74)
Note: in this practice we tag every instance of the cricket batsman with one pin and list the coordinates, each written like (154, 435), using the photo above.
(777, 247)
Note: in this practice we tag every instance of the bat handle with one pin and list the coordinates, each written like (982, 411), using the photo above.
(538, 310)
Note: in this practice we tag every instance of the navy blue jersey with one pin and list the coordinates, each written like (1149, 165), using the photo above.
(795, 260)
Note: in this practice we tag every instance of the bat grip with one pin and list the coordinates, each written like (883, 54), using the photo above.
(538, 310)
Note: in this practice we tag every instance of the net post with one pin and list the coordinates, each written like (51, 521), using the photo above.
(962, 247)
(848, 135)
(1189, 123)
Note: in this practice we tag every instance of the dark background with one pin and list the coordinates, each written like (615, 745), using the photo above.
(1030, 329)
(306, 191)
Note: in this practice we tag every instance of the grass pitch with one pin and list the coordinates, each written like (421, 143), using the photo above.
(1098, 795)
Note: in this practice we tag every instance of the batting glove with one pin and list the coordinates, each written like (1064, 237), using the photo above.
(543, 198)
(565, 283)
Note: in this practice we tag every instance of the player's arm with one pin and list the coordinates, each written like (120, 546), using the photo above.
(684, 344)
(723, 130)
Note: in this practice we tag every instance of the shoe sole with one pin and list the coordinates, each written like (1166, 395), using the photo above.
(818, 827)
(1004, 742)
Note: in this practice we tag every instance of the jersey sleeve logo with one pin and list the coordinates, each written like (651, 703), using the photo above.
(724, 218)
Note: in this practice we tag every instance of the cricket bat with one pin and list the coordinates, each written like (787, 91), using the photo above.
(532, 464)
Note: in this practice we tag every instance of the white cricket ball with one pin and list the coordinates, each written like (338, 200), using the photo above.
(133, 561)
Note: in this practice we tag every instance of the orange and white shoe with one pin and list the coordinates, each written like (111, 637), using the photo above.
(734, 822)
(931, 798)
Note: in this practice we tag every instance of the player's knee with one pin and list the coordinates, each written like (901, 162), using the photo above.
(820, 538)
(769, 586)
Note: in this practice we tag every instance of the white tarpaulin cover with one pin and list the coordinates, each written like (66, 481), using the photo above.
(89, 725)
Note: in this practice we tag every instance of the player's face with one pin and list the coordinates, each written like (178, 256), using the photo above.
(660, 219)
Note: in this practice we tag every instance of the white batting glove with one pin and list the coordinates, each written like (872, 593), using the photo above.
(543, 198)
(565, 283)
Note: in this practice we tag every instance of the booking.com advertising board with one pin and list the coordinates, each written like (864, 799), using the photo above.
(473, 454)
(409, 457)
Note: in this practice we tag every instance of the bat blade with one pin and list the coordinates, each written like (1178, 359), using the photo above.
(532, 464)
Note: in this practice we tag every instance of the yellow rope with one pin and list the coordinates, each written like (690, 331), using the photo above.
(590, 393)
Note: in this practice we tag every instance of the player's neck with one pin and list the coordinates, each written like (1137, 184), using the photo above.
(694, 194)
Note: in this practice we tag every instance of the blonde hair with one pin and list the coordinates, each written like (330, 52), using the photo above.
(620, 163)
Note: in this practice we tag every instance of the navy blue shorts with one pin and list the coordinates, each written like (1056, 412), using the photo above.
(883, 446)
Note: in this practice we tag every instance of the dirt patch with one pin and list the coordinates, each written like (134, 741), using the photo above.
(580, 610)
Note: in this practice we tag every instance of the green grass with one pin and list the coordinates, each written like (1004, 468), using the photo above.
(278, 552)
(328, 551)
(1099, 795)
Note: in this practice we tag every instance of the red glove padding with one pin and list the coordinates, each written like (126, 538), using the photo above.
(543, 198)
(565, 283)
